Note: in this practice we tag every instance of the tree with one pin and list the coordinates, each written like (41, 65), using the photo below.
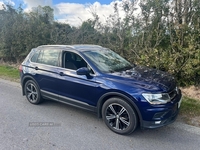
(164, 35)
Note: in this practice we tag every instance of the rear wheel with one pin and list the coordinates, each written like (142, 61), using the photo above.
(119, 116)
(32, 92)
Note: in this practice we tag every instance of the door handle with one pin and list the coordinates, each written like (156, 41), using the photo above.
(36, 68)
(61, 74)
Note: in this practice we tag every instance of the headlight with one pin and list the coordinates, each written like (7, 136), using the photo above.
(154, 99)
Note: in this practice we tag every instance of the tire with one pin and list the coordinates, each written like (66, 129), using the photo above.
(119, 116)
(32, 92)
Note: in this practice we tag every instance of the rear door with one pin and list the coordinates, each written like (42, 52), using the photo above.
(46, 71)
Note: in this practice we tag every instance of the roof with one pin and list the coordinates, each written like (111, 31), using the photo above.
(78, 47)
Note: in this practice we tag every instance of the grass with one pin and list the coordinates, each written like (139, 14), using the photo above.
(190, 107)
(9, 72)
(190, 111)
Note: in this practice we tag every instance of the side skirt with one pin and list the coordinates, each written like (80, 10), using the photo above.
(67, 100)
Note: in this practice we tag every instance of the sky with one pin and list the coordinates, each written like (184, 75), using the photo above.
(73, 12)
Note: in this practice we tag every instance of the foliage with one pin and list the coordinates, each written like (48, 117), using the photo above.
(164, 35)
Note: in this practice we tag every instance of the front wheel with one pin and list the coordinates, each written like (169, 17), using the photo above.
(32, 92)
(119, 116)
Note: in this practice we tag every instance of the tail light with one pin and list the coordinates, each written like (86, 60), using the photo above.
(20, 68)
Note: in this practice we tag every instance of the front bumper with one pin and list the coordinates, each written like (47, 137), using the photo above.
(163, 116)
(160, 123)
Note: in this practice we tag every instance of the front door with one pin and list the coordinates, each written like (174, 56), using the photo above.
(77, 89)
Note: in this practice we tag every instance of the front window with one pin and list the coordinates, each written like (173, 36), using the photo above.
(74, 61)
(107, 60)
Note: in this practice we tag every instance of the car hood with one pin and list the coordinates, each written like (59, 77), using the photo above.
(148, 76)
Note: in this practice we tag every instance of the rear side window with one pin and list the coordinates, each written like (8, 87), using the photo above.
(49, 57)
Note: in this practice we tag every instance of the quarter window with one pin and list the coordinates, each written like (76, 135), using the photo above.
(35, 56)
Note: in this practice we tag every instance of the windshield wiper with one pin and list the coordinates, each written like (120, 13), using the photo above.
(111, 71)
(124, 68)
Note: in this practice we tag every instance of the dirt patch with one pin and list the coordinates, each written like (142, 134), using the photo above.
(194, 121)
(192, 92)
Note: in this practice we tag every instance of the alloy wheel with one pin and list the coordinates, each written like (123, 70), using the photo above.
(117, 116)
(32, 93)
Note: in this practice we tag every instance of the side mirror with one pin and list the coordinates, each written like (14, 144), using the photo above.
(83, 71)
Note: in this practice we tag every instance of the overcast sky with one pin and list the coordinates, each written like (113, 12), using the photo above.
(73, 12)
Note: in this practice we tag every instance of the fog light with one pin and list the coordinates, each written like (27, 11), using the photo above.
(157, 122)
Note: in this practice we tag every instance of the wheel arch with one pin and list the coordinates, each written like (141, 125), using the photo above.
(108, 95)
(25, 79)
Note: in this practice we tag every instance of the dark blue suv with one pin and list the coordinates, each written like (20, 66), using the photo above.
(97, 79)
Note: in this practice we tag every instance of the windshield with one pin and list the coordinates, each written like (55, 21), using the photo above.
(107, 60)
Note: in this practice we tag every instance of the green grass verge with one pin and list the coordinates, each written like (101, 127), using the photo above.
(190, 107)
(9, 72)
(190, 111)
